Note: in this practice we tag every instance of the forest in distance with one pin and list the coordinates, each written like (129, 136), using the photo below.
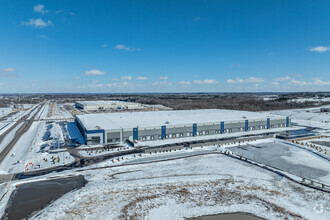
(185, 101)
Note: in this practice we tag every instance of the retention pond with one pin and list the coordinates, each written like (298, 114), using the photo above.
(31, 197)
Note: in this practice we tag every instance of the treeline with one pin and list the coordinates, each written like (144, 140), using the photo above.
(235, 102)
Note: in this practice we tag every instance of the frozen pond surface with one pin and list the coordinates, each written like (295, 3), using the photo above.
(287, 158)
(30, 197)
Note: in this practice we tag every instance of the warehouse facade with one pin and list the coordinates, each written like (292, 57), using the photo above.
(107, 105)
(148, 126)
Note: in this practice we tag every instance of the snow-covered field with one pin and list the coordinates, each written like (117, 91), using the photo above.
(182, 186)
(187, 187)
(11, 119)
(315, 99)
(306, 117)
(286, 157)
(31, 147)
(56, 111)
(5, 111)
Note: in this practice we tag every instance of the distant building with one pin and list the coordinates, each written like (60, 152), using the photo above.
(107, 105)
(147, 126)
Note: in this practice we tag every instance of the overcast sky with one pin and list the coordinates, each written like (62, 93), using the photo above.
(164, 46)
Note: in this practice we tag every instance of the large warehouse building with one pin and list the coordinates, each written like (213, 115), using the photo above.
(147, 126)
(107, 105)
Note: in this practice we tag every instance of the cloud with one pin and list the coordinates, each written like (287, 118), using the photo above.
(108, 85)
(315, 82)
(64, 12)
(184, 83)
(275, 84)
(319, 49)
(126, 78)
(123, 47)
(280, 79)
(8, 73)
(205, 81)
(33, 82)
(104, 45)
(163, 83)
(7, 70)
(231, 81)
(37, 23)
(248, 80)
(196, 18)
(94, 72)
(122, 84)
(164, 77)
(40, 9)
(235, 65)
(141, 78)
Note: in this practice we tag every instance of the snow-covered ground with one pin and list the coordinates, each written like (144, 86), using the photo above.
(56, 111)
(98, 152)
(42, 114)
(306, 117)
(10, 120)
(315, 99)
(187, 187)
(184, 187)
(31, 148)
(5, 111)
(285, 156)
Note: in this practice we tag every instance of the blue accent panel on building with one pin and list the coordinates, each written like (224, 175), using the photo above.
(268, 123)
(75, 135)
(246, 125)
(94, 131)
(195, 129)
(135, 134)
(287, 121)
(222, 127)
(163, 135)
(81, 128)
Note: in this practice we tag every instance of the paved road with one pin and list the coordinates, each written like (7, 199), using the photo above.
(24, 128)
(3, 135)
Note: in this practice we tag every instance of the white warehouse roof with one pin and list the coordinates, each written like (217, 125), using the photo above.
(108, 121)
(100, 102)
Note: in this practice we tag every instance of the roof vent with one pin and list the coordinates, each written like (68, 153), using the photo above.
(167, 122)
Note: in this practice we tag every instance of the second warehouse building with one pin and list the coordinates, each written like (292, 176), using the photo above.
(146, 126)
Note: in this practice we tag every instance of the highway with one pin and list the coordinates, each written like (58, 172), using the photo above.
(24, 128)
